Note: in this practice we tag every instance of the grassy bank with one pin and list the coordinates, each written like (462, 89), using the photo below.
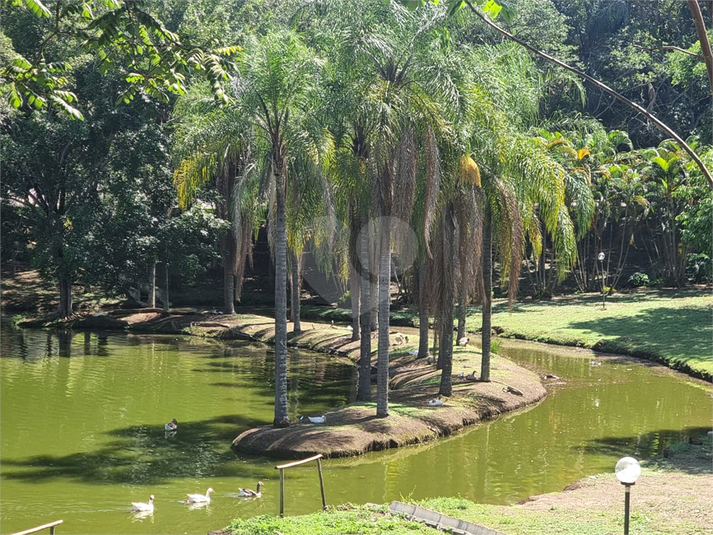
(672, 497)
(673, 327)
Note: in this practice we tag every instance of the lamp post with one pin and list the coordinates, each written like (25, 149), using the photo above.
(601, 257)
(627, 471)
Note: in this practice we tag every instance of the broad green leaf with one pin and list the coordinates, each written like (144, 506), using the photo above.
(663, 164)
(37, 8)
(491, 8)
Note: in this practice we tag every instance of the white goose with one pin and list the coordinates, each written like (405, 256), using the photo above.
(248, 493)
(171, 426)
(435, 402)
(313, 419)
(199, 498)
(142, 507)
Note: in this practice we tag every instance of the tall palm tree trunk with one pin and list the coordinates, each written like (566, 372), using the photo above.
(152, 286)
(281, 415)
(295, 298)
(462, 309)
(422, 311)
(355, 297)
(364, 388)
(382, 363)
(450, 257)
(228, 279)
(488, 294)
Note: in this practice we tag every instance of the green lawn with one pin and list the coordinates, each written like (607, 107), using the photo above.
(675, 327)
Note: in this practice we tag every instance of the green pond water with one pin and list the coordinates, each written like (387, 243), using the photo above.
(81, 431)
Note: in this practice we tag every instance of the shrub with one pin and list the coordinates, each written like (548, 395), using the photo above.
(638, 279)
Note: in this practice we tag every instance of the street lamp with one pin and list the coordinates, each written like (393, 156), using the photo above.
(627, 471)
(601, 257)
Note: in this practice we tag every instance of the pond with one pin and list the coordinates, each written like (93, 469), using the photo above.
(82, 432)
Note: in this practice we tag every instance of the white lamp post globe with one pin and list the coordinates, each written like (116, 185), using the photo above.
(601, 256)
(627, 470)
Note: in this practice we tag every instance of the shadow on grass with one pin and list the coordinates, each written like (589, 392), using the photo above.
(141, 455)
(683, 333)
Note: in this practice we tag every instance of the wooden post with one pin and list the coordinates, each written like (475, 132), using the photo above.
(282, 468)
(321, 485)
(282, 492)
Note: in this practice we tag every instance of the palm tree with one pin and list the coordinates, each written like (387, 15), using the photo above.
(214, 144)
(522, 184)
(401, 85)
(277, 78)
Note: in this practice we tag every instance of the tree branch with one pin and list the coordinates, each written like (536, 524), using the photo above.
(671, 47)
(702, 38)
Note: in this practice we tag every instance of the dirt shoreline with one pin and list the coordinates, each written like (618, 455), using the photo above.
(353, 429)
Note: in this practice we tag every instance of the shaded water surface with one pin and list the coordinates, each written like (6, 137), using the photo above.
(82, 436)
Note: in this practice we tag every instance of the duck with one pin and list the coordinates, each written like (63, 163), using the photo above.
(413, 352)
(400, 339)
(248, 493)
(199, 498)
(435, 402)
(471, 377)
(142, 507)
(430, 360)
(313, 419)
(463, 341)
(171, 426)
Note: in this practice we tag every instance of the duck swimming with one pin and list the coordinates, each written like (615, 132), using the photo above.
(171, 426)
(199, 498)
(142, 507)
(248, 493)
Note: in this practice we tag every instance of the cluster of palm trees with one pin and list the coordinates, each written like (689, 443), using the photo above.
(372, 118)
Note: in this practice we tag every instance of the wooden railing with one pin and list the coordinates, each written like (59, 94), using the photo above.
(49, 526)
(283, 467)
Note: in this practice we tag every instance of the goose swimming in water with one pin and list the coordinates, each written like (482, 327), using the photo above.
(171, 426)
(199, 498)
(248, 493)
(142, 507)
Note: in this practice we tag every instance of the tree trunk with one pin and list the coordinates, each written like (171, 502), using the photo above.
(450, 256)
(165, 297)
(382, 363)
(364, 389)
(65, 297)
(152, 286)
(354, 291)
(488, 295)
(374, 260)
(422, 312)
(295, 299)
(228, 283)
(462, 309)
(282, 418)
